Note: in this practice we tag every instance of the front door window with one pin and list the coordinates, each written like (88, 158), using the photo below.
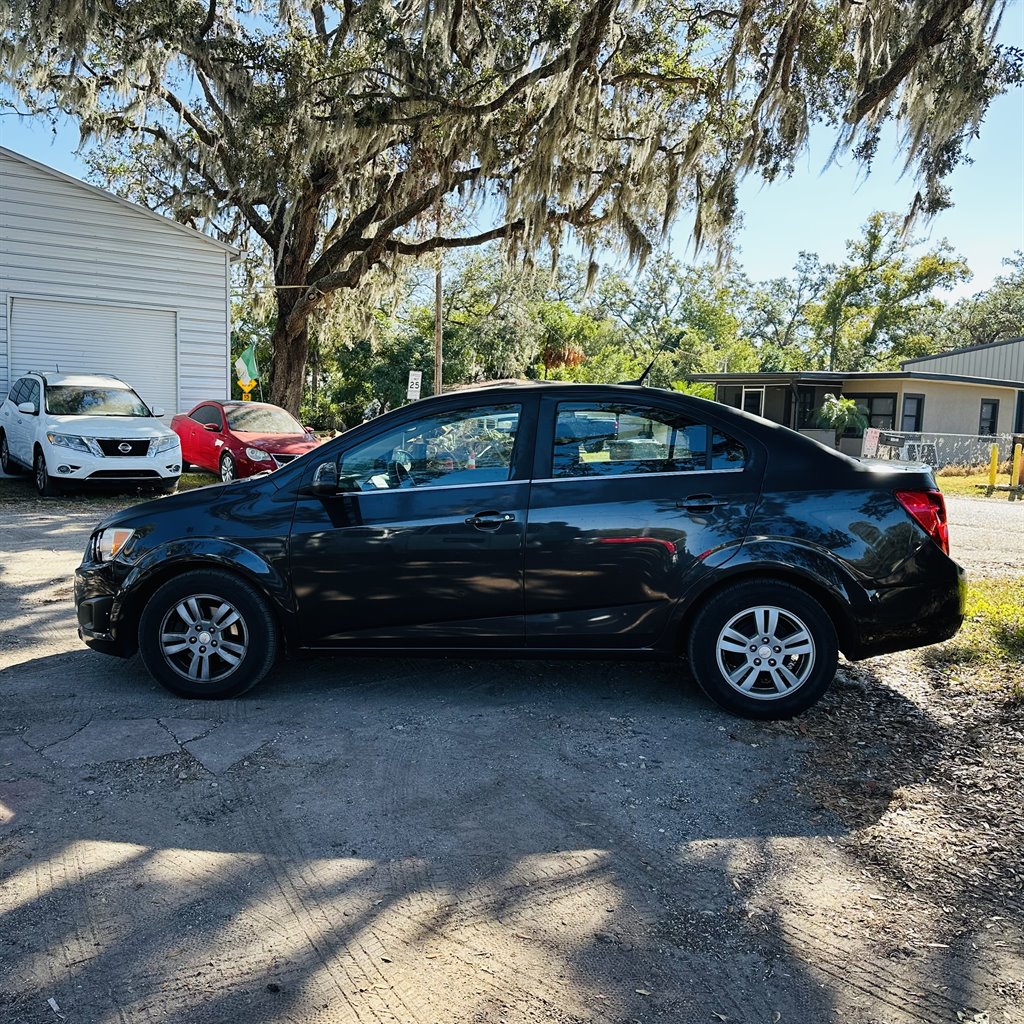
(449, 449)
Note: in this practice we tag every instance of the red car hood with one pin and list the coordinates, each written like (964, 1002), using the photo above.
(282, 444)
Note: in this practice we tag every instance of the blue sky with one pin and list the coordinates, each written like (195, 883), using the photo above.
(819, 207)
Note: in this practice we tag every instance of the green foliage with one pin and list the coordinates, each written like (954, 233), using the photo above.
(840, 414)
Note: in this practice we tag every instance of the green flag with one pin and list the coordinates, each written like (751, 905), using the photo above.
(245, 366)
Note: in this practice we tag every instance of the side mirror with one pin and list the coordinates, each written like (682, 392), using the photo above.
(325, 479)
(157, 411)
(212, 427)
(27, 408)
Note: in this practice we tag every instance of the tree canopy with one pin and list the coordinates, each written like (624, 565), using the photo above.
(342, 135)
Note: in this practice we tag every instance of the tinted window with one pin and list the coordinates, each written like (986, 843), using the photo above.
(608, 439)
(69, 400)
(459, 447)
(30, 392)
(208, 414)
(726, 452)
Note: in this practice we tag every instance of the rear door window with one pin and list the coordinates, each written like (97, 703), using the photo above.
(610, 439)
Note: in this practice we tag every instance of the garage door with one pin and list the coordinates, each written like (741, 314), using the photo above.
(137, 345)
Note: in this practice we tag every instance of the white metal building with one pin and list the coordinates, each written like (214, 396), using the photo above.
(92, 283)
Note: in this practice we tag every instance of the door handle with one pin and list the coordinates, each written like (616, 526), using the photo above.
(490, 520)
(700, 502)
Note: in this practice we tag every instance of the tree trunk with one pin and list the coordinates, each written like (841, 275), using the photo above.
(290, 355)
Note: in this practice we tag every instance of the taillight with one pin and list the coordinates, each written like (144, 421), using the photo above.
(929, 510)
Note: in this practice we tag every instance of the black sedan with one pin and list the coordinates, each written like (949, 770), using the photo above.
(549, 519)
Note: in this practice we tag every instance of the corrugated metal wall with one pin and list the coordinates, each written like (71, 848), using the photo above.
(62, 241)
(1001, 361)
(137, 345)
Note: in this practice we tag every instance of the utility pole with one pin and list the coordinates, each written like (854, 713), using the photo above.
(438, 353)
(438, 299)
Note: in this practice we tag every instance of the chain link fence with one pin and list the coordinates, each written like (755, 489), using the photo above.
(938, 450)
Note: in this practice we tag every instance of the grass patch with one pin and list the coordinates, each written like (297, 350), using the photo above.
(991, 640)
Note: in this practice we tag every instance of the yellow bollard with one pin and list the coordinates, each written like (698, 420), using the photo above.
(1018, 452)
(993, 465)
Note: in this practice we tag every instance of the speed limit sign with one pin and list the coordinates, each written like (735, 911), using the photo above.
(415, 384)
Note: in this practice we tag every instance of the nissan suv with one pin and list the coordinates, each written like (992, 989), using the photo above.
(69, 428)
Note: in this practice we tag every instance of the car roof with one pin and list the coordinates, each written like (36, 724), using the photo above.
(80, 380)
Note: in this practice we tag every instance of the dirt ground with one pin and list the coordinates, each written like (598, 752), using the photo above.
(371, 840)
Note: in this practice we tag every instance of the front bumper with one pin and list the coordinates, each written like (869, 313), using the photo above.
(83, 467)
(100, 624)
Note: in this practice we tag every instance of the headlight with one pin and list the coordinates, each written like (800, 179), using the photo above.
(107, 543)
(75, 443)
(163, 444)
(257, 454)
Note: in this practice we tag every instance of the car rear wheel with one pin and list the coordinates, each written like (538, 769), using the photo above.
(46, 487)
(208, 634)
(227, 468)
(763, 649)
(9, 466)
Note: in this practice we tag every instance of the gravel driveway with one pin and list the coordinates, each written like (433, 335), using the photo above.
(370, 840)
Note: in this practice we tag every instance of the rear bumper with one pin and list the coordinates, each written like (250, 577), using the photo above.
(900, 618)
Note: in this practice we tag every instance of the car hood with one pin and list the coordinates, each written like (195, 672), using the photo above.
(176, 504)
(132, 427)
(282, 444)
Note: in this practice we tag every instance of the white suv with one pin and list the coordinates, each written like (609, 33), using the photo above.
(85, 428)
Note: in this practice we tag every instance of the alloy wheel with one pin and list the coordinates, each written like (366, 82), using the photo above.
(765, 652)
(204, 638)
(227, 469)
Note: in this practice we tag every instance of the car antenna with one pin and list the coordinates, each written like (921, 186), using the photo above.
(639, 382)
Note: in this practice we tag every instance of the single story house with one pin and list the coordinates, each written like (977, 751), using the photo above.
(92, 283)
(967, 393)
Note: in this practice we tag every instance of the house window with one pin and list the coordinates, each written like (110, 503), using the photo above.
(989, 416)
(913, 414)
(753, 401)
(878, 410)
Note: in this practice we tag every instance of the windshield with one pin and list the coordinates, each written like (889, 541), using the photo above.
(67, 400)
(262, 419)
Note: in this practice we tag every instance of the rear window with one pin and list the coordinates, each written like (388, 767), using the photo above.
(69, 400)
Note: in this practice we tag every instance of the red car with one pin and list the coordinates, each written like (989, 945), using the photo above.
(238, 439)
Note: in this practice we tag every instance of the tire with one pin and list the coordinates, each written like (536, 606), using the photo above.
(167, 488)
(763, 685)
(9, 466)
(190, 607)
(45, 484)
(227, 469)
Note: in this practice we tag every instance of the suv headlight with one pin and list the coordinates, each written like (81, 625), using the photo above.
(75, 443)
(107, 543)
(163, 444)
(257, 454)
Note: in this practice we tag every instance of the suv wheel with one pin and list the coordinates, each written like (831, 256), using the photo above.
(763, 649)
(9, 466)
(207, 634)
(46, 486)
(227, 468)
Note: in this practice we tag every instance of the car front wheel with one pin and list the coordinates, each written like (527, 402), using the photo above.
(227, 468)
(46, 487)
(207, 634)
(763, 649)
